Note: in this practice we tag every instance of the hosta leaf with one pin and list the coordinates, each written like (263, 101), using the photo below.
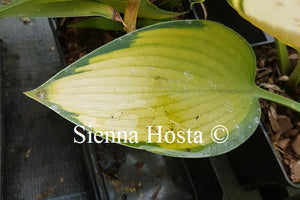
(58, 8)
(281, 19)
(106, 24)
(179, 75)
(98, 23)
(146, 9)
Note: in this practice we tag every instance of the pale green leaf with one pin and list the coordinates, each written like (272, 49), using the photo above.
(106, 24)
(181, 75)
(279, 18)
(57, 8)
(78, 8)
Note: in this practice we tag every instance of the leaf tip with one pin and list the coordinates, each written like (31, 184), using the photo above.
(38, 95)
(29, 93)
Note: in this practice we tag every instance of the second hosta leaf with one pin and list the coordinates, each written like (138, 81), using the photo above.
(179, 75)
(78, 8)
(280, 19)
(58, 8)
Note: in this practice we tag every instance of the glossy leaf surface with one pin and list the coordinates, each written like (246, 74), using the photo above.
(181, 75)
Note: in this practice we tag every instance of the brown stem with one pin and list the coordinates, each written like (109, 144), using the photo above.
(204, 10)
(130, 15)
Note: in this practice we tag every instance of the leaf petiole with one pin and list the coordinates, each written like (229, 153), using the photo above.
(261, 93)
(294, 78)
(283, 57)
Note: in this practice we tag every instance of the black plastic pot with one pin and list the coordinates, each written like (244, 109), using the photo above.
(256, 162)
(220, 11)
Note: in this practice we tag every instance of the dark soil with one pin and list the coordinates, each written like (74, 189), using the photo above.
(282, 123)
(77, 42)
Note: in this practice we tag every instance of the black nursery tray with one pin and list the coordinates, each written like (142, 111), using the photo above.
(120, 172)
(256, 162)
(38, 157)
